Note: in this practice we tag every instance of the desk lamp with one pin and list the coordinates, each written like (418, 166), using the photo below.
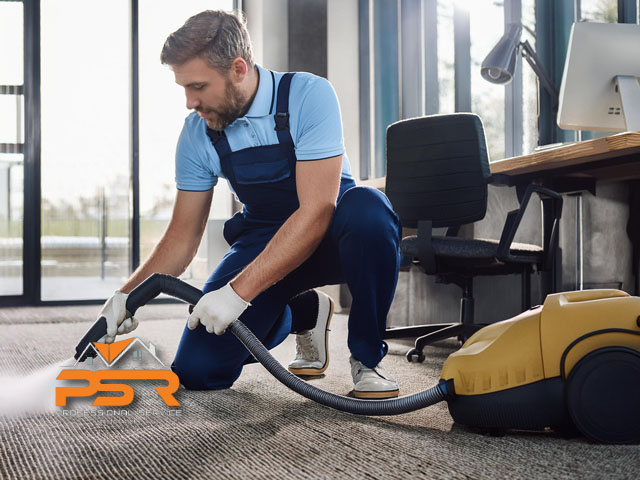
(500, 64)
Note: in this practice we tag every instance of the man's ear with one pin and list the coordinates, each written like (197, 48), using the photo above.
(239, 69)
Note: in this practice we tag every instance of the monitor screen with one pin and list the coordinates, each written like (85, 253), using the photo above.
(589, 95)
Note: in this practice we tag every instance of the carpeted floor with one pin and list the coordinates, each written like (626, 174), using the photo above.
(260, 429)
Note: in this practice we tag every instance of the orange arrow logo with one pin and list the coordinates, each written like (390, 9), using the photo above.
(110, 351)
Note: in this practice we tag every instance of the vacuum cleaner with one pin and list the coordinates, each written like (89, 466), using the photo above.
(572, 363)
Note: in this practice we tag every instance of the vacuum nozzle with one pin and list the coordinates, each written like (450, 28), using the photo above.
(97, 331)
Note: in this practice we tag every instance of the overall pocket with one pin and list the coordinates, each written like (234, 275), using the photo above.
(262, 172)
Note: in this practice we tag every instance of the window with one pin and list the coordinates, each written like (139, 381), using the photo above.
(11, 143)
(85, 147)
(430, 51)
(445, 60)
(439, 46)
(86, 159)
(487, 99)
(601, 11)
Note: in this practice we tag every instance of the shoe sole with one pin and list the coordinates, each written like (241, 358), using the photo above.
(377, 395)
(318, 371)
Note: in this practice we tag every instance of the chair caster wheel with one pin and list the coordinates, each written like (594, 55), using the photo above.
(415, 353)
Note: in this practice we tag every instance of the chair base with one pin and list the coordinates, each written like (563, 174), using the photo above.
(428, 334)
(461, 330)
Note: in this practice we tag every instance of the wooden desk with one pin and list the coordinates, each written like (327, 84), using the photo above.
(613, 158)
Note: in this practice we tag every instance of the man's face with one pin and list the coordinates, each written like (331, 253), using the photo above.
(210, 93)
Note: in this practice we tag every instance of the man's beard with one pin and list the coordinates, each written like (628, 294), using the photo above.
(234, 107)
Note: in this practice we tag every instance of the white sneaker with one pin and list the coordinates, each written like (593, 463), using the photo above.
(312, 346)
(372, 382)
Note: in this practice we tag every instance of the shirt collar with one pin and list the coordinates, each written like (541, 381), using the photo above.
(261, 104)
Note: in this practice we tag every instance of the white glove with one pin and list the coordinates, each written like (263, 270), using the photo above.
(217, 310)
(119, 321)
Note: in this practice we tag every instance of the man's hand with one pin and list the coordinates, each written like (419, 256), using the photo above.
(118, 319)
(217, 310)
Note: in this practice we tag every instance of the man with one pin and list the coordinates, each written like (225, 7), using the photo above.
(277, 139)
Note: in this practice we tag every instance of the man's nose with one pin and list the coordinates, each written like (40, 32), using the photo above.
(192, 101)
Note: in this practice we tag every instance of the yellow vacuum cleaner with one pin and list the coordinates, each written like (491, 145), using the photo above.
(576, 359)
(573, 361)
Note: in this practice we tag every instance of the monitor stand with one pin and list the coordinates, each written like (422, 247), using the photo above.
(629, 90)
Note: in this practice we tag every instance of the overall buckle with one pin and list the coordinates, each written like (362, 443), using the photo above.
(282, 121)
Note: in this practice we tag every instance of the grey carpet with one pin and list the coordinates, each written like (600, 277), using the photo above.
(260, 429)
(83, 313)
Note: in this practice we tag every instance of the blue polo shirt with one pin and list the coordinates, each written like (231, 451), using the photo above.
(314, 119)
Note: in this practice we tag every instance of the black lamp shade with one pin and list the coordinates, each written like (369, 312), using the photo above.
(499, 65)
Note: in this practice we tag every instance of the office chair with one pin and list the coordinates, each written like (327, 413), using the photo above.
(437, 176)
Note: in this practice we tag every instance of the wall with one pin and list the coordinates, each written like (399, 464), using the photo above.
(278, 32)
(268, 28)
(607, 249)
(342, 69)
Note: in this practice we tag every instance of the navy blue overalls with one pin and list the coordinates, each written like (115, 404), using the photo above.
(360, 248)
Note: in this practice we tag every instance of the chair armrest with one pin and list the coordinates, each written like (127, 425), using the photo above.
(426, 254)
(514, 217)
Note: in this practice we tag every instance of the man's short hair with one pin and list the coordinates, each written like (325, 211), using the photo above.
(216, 36)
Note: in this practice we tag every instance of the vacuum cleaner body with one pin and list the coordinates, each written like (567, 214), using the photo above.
(575, 361)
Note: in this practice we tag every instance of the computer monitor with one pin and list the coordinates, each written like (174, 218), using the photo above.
(600, 89)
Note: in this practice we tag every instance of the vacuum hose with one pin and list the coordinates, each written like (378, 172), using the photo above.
(160, 283)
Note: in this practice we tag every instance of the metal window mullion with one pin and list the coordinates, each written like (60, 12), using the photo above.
(411, 78)
(364, 79)
(31, 251)
(553, 26)
(135, 142)
(627, 11)
(513, 92)
(385, 85)
(11, 89)
(462, 58)
(430, 28)
(19, 119)
(399, 71)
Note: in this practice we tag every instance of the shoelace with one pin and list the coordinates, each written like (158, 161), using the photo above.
(360, 367)
(305, 348)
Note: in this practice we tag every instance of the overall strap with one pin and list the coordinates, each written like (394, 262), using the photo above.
(219, 140)
(282, 109)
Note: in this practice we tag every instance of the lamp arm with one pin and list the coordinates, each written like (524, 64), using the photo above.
(530, 56)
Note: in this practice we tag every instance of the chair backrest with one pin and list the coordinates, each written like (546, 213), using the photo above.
(437, 169)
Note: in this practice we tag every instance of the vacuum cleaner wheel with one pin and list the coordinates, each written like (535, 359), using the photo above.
(603, 394)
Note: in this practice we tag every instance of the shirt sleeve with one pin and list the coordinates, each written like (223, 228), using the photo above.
(319, 132)
(192, 172)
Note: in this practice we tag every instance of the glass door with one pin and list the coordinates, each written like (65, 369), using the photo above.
(85, 159)
(11, 148)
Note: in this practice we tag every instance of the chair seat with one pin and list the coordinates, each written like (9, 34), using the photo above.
(470, 252)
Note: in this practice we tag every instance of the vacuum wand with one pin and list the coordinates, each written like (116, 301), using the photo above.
(97, 331)
(161, 283)
(145, 292)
